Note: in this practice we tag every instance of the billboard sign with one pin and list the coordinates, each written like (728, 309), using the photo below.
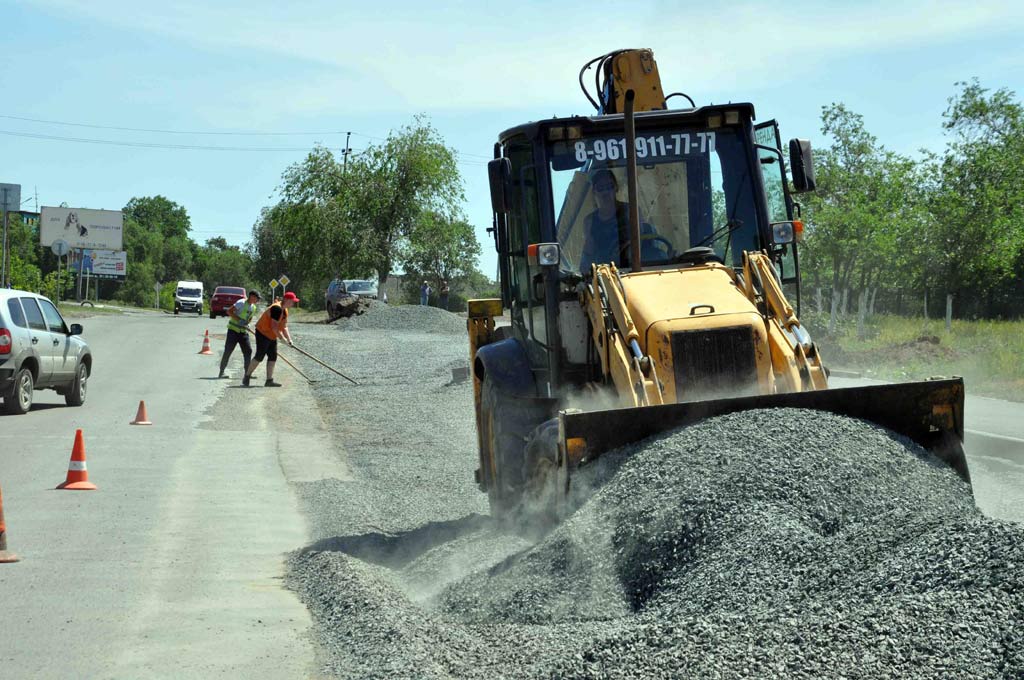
(102, 264)
(82, 228)
(12, 194)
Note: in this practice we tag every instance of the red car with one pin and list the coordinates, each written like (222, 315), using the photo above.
(223, 298)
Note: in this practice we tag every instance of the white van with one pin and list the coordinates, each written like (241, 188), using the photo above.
(188, 297)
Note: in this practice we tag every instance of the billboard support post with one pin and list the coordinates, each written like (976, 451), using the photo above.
(81, 263)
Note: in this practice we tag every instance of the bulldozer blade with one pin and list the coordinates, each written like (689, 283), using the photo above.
(930, 413)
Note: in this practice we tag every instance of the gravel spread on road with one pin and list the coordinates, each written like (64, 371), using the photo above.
(773, 543)
(382, 316)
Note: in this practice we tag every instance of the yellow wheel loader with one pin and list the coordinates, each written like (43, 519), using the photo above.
(644, 258)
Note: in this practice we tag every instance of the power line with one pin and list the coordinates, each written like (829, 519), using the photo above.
(172, 132)
(195, 147)
(153, 145)
(192, 132)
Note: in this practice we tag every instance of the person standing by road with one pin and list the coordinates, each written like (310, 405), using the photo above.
(239, 316)
(444, 295)
(273, 324)
(424, 293)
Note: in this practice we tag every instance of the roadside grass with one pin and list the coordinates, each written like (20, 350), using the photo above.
(75, 310)
(988, 354)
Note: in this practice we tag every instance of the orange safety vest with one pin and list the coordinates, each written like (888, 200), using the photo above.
(263, 325)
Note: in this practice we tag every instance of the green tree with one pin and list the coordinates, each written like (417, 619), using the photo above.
(160, 215)
(356, 222)
(388, 189)
(866, 215)
(441, 249)
(221, 264)
(25, 275)
(978, 196)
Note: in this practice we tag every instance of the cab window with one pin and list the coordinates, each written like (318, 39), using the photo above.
(694, 188)
(524, 215)
(778, 210)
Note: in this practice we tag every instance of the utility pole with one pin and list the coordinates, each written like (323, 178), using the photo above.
(3, 269)
(344, 167)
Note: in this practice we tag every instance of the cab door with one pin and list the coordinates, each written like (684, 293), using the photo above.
(65, 359)
(40, 338)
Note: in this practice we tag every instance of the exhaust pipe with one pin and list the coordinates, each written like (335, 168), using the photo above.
(634, 209)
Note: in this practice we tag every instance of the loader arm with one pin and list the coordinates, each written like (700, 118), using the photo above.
(794, 357)
(617, 340)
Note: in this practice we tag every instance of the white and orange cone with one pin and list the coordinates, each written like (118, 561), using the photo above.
(5, 554)
(206, 344)
(78, 475)
(141, 417)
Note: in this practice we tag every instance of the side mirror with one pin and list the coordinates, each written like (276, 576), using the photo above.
(801, 165)
(499, 172)
(76, 329)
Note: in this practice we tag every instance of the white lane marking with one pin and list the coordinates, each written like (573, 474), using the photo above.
(994, 436)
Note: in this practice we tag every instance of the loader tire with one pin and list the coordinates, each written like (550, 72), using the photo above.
(507, 423)
(540, 472)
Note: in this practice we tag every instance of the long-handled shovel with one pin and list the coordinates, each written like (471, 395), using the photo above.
(296, 369)
(329, 368)
(293, 366)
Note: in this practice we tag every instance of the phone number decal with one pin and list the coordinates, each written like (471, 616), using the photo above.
(652, 146)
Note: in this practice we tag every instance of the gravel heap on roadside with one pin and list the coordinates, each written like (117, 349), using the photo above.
(421, 318)
(775, 543)
(779, 542)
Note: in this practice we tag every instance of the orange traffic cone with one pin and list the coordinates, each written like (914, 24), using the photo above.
(141, 417)
(206, 344)
(5, 556)
(78, 475)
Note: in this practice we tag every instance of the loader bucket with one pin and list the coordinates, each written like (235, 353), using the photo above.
(931, 413)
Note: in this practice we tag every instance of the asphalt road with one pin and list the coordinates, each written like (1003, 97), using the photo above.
(173, 568)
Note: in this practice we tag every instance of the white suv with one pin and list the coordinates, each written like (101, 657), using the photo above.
(39, 351)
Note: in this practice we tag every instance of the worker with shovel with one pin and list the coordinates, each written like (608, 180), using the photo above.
(239, 316)
(273, 324)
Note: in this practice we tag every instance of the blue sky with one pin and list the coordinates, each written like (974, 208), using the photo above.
(313, 66)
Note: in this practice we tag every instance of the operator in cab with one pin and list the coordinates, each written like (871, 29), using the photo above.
(606, 236)
(605, 230)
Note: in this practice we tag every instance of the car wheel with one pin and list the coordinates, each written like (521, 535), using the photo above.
(75, 394)
(175, 311)
(19, 400)
(212, 315)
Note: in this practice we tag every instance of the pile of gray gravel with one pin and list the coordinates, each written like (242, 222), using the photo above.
(774, 543)
(415, 318)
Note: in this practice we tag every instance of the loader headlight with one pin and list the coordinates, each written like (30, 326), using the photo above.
(783, 233)
(544, 254)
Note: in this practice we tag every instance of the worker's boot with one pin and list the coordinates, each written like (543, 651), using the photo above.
(270, 383)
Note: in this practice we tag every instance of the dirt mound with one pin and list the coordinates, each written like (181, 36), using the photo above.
(377, 315)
